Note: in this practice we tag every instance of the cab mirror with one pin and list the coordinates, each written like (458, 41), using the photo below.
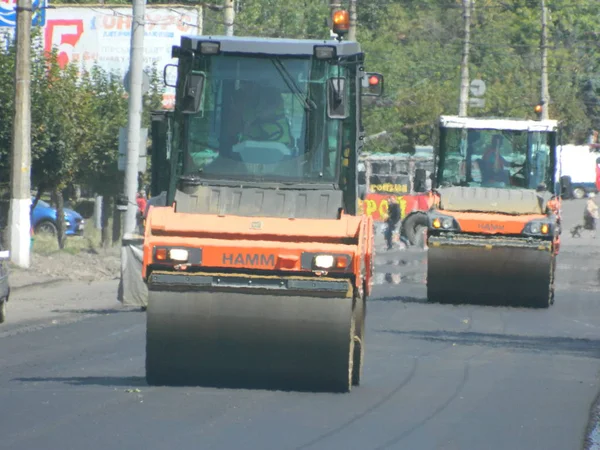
(337, 104)
(372, 84)
(193, 89)
(170, 75)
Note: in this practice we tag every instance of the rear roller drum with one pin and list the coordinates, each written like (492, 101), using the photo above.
(234, 339)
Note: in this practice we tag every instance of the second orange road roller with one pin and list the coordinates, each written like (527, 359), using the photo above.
(494, 229)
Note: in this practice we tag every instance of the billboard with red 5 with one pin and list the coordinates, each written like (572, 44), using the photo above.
(63, 34)
(102, 36)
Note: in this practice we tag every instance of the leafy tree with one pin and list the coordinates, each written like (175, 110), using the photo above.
(7, 69)
(104, 112)
(75, 127)
(106, 109)
(57, 133)
(274, 18)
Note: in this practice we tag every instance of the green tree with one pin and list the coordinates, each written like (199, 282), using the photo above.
(57, 135)
(104, 113)
(273, 18)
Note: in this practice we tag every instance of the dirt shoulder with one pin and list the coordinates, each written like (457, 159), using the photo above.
(88, 266)
(62, 287)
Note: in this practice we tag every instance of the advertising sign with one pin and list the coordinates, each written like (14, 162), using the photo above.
(87, 36)
(390, 184)
(8, 13)
(376, 205)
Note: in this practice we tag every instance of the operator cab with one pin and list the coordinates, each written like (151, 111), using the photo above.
(506, 154)
(253, 121)
(269, 114)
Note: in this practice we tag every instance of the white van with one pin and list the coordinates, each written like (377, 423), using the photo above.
(578, 162)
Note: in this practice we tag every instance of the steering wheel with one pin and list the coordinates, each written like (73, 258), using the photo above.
(275, 135)
(519, 173)
(264, 135)
(518, 179)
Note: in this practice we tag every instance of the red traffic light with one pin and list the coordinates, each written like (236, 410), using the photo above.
(538, 108)
(373, 80)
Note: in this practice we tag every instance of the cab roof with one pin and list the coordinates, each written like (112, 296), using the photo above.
(271, 46)
(500, 124)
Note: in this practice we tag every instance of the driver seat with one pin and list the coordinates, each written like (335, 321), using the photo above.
(261, 152)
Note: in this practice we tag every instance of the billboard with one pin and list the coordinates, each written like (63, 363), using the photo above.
(8, 13)
(376, 205)
(99, 35)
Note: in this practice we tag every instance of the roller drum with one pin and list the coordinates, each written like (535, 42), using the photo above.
(249, 340)
(490, 271)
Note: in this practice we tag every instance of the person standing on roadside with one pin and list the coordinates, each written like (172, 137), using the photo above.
(141, 201)
(591, 215)
(393, 218)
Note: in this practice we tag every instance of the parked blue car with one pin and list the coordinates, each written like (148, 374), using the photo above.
(43, 220)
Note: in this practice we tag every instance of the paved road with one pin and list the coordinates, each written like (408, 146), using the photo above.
(436, 377)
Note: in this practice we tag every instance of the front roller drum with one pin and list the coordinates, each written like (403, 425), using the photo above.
(486, 271)
(248, 340)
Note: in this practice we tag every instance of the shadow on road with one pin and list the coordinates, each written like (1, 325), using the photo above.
(104, 311)
(563, 345)
(402, 299)
(88, 381)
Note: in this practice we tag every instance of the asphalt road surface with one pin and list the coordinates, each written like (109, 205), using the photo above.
(436, 377)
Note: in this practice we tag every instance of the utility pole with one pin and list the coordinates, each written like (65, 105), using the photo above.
(353, 21)
(229, 17)
(20, 202)
(464, 66)
(545, 95)
(134, 123)
(200, 16)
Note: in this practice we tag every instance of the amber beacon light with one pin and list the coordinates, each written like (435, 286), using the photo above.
(341, 22)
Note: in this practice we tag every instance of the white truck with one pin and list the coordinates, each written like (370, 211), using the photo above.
(579, 169)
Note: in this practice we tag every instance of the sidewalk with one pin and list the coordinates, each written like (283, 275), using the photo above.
(38, 306)
(61, 288)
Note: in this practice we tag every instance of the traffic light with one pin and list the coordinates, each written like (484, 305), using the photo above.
(538, 110)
